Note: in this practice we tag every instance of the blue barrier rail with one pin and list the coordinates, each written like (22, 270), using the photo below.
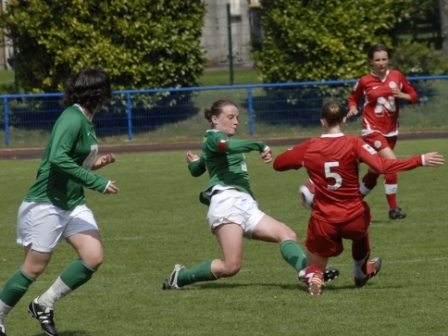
(264, 108)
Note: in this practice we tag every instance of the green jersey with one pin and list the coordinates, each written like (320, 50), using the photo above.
(65, 167)
(224, 160)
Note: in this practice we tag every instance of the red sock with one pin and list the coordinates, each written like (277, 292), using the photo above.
(360, 248)
(369, 180)
(309, 272)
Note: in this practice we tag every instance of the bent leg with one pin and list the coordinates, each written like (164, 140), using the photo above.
(390, 180)
(90, 250)
(230, 238)
(270, 230)
(18, 283)
(368, 182)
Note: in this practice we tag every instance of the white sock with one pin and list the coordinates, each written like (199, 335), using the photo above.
(4, 311)
(390, 189)
(357, 267)
(364, 191)
(57, 291)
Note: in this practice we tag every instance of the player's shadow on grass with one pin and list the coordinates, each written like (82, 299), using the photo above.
(69, 333)
(298, 286)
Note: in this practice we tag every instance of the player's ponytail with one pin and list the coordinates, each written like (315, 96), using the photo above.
(333, 112)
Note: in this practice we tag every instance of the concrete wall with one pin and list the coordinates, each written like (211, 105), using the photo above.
(215, 37)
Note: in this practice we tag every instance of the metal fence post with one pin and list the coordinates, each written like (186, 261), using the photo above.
(250, 110)
(129, 108)
(6, 111)
(229, 36)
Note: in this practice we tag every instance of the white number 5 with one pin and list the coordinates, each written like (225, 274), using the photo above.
(330, 174)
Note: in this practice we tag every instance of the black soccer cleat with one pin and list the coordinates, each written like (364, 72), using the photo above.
(373, 268)
(329, 274)
(396, 213)
(171, 281)
(45, 317)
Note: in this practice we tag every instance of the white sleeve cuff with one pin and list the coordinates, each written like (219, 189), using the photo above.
(107, 186)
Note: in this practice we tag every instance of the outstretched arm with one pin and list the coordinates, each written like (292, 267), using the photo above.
(389, 166)
(292, 158)
(235, 146)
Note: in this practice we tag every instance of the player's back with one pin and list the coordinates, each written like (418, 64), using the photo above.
(332, 163)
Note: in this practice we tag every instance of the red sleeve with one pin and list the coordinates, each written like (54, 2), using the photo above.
(385, 166)
(407, 88)
(292, 158)
(356, 94)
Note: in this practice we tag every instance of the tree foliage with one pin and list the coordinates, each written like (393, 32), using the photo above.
(141, 43)
(323, 39)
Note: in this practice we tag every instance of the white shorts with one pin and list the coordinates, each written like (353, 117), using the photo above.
(44, 225)
(232, 206)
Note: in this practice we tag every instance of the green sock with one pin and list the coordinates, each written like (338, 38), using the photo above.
(293, 254)
(202, 272)
(15, 287)
(76, 274)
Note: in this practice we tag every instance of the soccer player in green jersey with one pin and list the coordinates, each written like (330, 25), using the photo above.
(54, 207)
(233, 212)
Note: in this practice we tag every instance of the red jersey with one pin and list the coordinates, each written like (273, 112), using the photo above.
(381, 108)
(332, 162)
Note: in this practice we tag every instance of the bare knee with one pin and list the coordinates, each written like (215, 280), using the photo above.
(287, 234)
(94, 260)
(33, 271)
(230, 268)
(35, 262)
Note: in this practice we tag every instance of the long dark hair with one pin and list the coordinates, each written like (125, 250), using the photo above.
(88, 88)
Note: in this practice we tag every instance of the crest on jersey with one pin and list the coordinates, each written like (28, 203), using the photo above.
(369, 149)
(392, 85)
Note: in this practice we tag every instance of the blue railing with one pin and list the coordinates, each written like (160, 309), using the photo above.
(265, 109)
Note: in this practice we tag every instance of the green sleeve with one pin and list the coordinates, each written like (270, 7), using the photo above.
(235, 146)
(63, 143)
(220, 143)
(197, 167)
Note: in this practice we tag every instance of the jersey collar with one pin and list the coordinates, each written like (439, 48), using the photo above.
(384, 79)
(333, 135)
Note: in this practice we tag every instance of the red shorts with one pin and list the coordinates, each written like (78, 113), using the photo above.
(325, 239)
(379, 141)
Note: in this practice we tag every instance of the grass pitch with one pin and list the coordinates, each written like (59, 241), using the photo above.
(156, 221)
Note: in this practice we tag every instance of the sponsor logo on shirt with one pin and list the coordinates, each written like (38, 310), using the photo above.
(369, 149)
(392, 85)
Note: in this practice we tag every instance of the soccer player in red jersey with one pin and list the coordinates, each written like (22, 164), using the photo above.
(339, 211)
(381, 89)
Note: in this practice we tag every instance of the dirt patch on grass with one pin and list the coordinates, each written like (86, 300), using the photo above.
(36, 153)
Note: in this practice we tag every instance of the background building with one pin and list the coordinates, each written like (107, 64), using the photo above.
(215, 33)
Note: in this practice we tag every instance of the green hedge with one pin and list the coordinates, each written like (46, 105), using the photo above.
(142, 44)
(323, 39)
